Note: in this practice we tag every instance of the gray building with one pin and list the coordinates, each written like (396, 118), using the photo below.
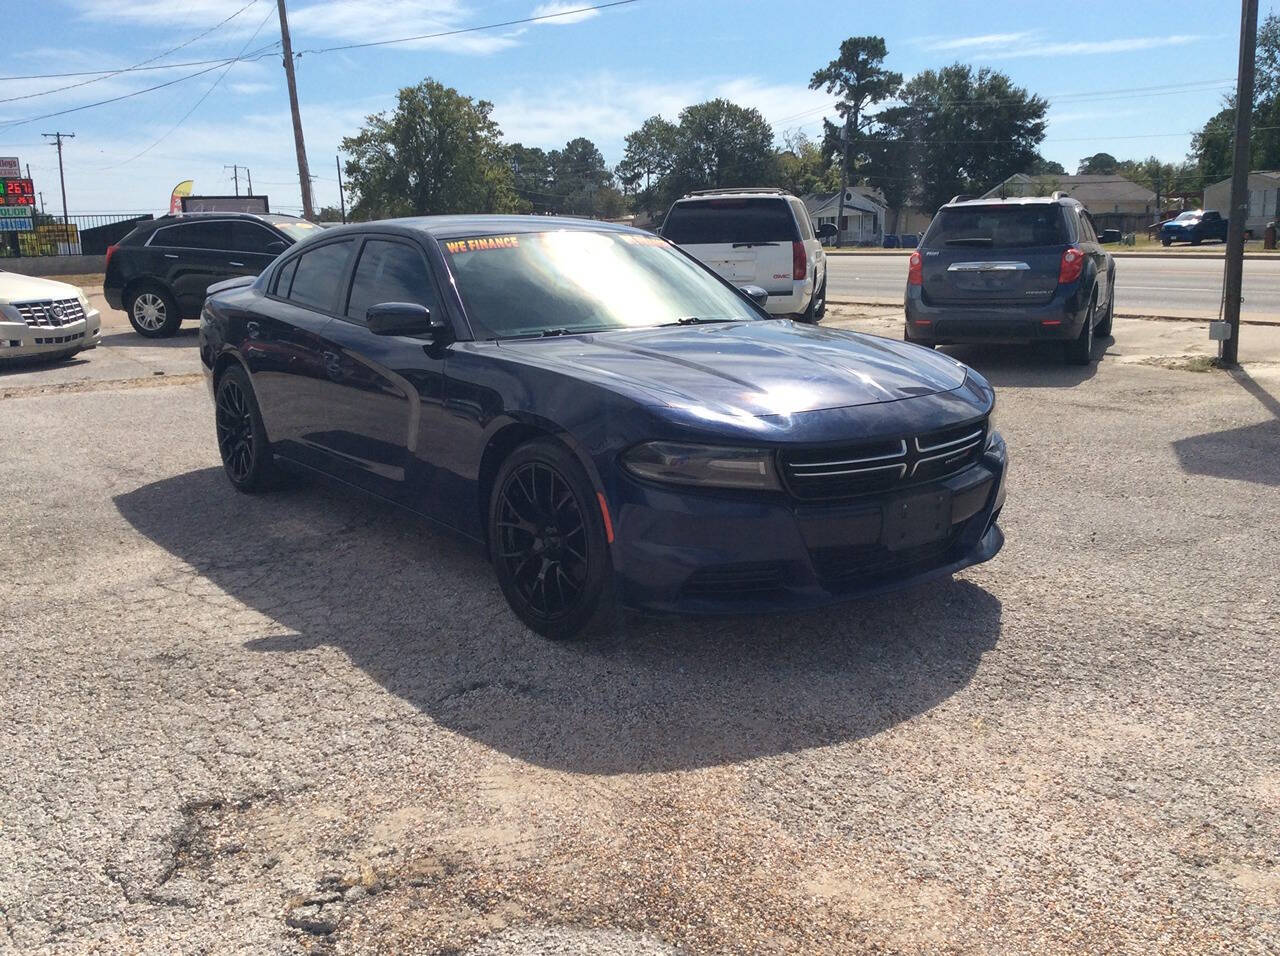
(864, 215)
(1113, 201)
(1264, 196)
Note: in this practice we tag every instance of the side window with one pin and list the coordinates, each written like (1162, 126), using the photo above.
(388, 272)
(319, 274)
(1088, 234)
(1212, 215)
(284, 279)
(802, 220)
(250, 237)
(195, 235)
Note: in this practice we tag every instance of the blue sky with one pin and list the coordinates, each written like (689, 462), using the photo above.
(597, 75)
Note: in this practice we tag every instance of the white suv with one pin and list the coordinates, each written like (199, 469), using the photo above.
(761, 237)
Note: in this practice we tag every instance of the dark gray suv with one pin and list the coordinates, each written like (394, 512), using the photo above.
(1011, 270)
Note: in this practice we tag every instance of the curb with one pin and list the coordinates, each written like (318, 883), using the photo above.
(892, 304)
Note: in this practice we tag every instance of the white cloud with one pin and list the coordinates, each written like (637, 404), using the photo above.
(965, 43)
(1008, 46)
(250, 89)
(563, 7)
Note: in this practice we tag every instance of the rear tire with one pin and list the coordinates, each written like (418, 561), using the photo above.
(548, 543)
(242, 439)
(1166, 242)
(1079, 351)
(817, 305)
(906, 337)
(153, 311)
(1103, 328)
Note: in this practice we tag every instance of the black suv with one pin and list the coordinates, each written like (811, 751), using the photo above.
(159, 272)
(1011, 270)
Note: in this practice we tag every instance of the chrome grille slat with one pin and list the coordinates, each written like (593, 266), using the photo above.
(40, 313)
(900, 467)
(900, 453)
(947, 444)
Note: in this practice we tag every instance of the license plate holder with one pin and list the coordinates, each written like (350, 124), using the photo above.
(917, 520)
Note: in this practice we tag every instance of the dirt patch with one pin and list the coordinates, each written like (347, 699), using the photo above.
(158, 379)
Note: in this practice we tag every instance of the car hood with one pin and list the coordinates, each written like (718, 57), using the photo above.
(20, 288)
(760, 369)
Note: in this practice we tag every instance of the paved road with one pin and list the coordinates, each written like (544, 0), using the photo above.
(1173, 286)
(238, 723)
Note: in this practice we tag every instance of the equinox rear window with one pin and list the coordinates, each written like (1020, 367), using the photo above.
(726, 221)
(998, 227)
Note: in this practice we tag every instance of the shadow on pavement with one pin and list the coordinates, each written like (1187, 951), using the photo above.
(1248, 453)
(1028, 366)
(421, 614)
(188, 335)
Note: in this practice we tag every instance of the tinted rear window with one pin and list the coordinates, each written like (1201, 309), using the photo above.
(728, 221)
(998, 227)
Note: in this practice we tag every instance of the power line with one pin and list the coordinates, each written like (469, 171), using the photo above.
(137, 66)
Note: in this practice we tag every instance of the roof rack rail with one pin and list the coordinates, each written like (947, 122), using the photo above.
(771, 190)
(963, 197)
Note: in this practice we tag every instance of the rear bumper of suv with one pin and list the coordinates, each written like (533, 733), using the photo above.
(1059, 319)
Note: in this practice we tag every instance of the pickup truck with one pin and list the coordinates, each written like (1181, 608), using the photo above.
(1194, 226)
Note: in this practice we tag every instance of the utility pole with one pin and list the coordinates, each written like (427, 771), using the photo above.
(342, 199)
(41, 195)
(58, 138)
(249, 175)
(235, 175)
(304, 176)
(844, 184)
(1229, 348)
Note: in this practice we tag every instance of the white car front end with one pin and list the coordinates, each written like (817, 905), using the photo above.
(43, 317)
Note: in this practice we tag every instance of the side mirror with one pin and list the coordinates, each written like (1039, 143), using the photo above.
(402, 318)
(277, 245)
(756, 294)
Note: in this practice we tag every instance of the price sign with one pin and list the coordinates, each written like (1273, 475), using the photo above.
(17, 192)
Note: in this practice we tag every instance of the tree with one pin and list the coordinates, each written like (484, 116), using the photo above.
(859, 82)
(802, 166)
(1045, 167)
(578, 174)
(888, 161)
(438, 152)
(650, 152)
(1099, 164)
(967, 130)
(720, 144)
(531, 175)
(329, 214)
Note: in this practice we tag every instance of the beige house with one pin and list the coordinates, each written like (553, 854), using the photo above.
(1113, 201)
(1264, 197)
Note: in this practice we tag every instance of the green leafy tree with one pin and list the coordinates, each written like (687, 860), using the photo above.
(888, 166)
(578, 175)
(650, 153)
(532, 178)
(968, 130)
(859, 80)
(437, 152)
(1046, 167)
(803, 167)
(720, 144)
(1099, 164)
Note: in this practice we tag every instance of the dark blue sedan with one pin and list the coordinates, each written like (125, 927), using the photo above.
(616, 424)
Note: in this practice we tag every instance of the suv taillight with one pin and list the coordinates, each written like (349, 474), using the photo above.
(915, 270)
(111, 251)
(1072, 265)
(799, 262)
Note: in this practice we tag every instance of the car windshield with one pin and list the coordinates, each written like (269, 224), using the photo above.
(295, 229)
(999, 227)
(567, 281)
(1187, 217)
(729, 221)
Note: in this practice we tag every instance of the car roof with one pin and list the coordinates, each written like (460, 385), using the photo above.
(1014, 201)
(710, 195)
(452, 227)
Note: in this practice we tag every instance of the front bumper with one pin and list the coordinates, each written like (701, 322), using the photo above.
(19, 340)
(694, 553)
(1057, 320)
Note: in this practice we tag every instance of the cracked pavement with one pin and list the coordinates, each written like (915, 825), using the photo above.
(303, 723)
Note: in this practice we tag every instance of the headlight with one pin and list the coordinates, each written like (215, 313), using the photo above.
(10, 314)
(84, 301)
(708, 465)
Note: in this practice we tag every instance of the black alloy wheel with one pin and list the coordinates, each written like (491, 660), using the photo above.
(548, 542)
(242, 440)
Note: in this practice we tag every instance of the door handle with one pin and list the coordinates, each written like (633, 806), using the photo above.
(236, 264)
(170, 255)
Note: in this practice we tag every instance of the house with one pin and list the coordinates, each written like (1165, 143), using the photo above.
(1113, 201)
(1264, 197)
(864, 214)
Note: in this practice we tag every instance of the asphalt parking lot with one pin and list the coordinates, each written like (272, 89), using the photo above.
(301, 722)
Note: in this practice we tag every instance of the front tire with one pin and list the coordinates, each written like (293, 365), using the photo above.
(1079, 351)
(242, 439)
(549, 544)
(153, 312)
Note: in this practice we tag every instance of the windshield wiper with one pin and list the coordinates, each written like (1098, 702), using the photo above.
(552, 333)
(747, 245)
(694, 320)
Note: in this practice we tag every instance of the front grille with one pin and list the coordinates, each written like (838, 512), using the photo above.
(50, 313)
(58, 339)
(866, 564)
(849, 470)
(729, 580)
